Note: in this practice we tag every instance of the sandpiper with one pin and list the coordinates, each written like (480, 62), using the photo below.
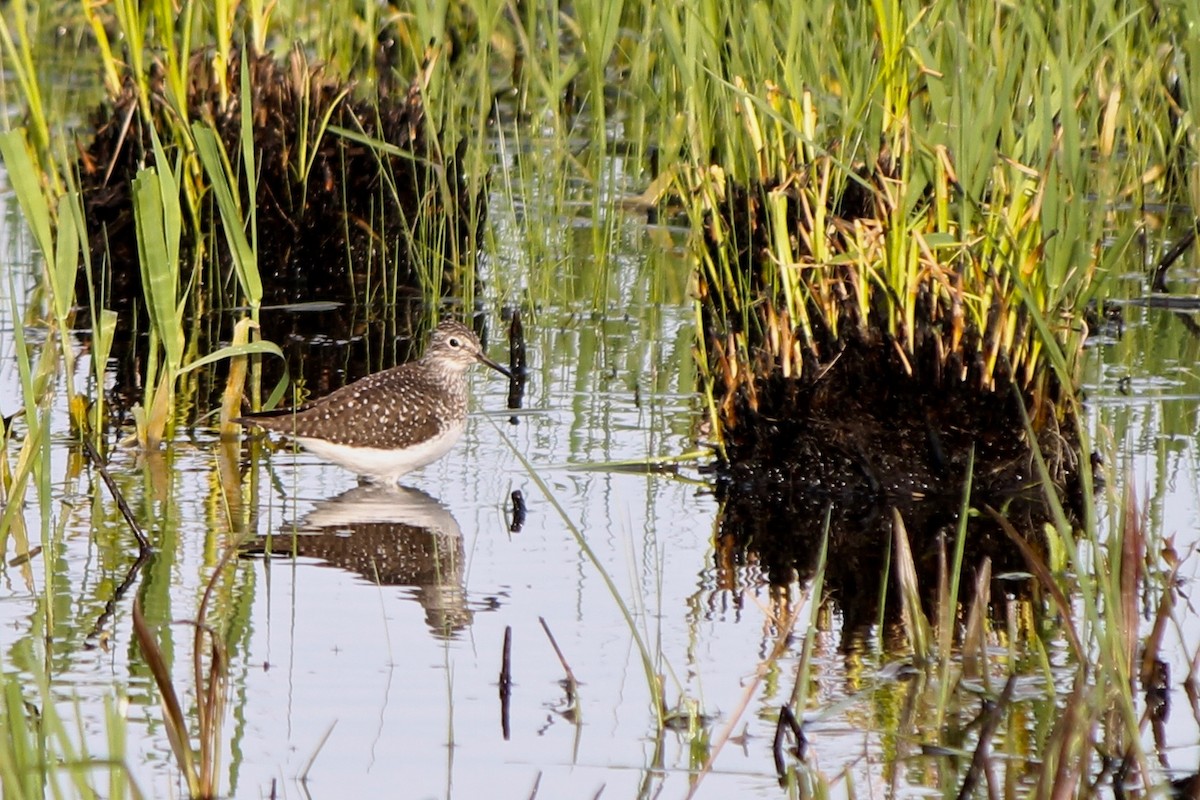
(392, 422)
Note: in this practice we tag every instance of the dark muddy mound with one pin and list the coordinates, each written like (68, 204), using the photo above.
(865, 439)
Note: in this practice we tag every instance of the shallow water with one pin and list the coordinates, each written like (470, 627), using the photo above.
(370, 663)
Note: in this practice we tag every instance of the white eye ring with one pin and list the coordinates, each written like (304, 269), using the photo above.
(454, 342)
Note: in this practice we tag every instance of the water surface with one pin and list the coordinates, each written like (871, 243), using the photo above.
(370, 662)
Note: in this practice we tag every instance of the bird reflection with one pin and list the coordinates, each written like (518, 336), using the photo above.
(393, 536)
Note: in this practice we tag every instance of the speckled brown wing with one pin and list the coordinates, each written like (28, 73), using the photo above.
(393, 409)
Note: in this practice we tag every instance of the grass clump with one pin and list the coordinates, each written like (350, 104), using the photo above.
(901, 191)
(336, 216)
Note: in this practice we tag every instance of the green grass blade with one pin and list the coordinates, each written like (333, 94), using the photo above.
(253, 283)
(220, 172)
(248, 349)
(66, 255)
(24, 177)
(160, 274)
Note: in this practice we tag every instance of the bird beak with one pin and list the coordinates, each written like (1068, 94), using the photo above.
(485, 360)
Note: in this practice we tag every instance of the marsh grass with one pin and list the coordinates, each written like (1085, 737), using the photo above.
(985, 194)
(929, 198)
(901, 179)
(40, 757)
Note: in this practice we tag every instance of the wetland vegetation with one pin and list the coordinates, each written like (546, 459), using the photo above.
(856, 427)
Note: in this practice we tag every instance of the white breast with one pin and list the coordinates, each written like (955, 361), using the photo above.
(386, 465)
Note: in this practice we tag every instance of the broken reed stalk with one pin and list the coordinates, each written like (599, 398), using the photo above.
(518, 512)
(974, 645)
(916, 624)
(572, 685)
(312, 759)
(144, 549)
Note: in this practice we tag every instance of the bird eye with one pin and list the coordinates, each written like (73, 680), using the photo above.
(453, 341)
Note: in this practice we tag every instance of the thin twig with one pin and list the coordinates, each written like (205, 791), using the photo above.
(787, 722)
(143, 543)
(979, 761)
(110, 607)
(313, 758)
(572, 684)
(1159, 284)
(144, 549)
(537, 781)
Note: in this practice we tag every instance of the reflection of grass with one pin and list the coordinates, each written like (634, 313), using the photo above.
(40, 758)
(200, 767)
